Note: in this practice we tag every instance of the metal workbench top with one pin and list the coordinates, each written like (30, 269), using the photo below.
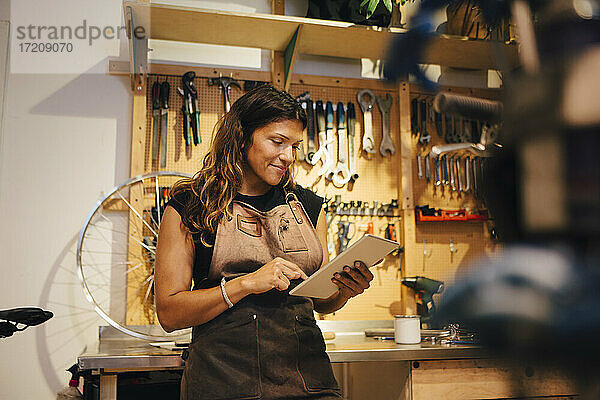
(350, 345)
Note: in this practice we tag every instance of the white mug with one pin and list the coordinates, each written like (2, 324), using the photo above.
(407, 329)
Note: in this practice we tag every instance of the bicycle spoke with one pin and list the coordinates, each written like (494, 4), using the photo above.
(136, 213)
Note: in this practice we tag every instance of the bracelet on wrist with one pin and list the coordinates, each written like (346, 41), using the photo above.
(224, 293)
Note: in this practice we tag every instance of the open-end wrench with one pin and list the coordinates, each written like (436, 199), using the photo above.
(310, 129)
(444, 161)
(467, 174)
(438, 181)
(351, 125)
(459, 179)
(321, 153)
(387, 144)
(330, 138)
(368, 142)
(419, 166)
(424, 136)
(475, 176)
(341, 173)
(427, 168)
(452, 173)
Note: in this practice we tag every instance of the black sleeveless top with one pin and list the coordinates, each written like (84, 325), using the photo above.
(274, 197)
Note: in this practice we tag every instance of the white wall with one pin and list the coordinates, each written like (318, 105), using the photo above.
(65, 141)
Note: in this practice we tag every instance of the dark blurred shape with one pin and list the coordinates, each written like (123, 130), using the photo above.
(539, 299)
(349, 11)
(468, 107)
(28, 316)
(533, 303)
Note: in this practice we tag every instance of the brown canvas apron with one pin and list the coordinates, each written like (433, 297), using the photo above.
(267, 346)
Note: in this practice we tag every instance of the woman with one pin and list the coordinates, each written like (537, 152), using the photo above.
(243, 233)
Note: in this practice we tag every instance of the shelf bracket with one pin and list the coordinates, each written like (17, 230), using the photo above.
(137, 32)
(289, 57)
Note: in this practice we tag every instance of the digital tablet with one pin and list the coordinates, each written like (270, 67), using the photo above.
(368, 249)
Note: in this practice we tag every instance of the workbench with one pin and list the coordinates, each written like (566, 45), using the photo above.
(364, 366)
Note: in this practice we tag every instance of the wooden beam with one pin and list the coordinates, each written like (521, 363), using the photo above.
(122, 68)
(407, 203)
(277, 55)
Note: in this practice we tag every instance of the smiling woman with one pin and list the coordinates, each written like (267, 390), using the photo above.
(245, 234)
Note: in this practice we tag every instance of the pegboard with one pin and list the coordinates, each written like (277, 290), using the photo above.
(180, 157)
(378, 180)
(446, 250)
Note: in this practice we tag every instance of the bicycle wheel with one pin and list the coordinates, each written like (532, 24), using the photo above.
(115, 254)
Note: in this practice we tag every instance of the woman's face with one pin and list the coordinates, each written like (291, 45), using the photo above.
(272, 150)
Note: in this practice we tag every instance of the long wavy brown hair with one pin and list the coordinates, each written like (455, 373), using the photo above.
(211, 190)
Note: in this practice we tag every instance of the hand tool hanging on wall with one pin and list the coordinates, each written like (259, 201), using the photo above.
(165, 89)
(329, 139)
(225, 83)
(310, 130)
(452, 175)
(459, 179)
(321, 153)
(387, 144)
(187, 136)
(414, 117)
(303, 100)
(341, 173)
(344, 235)
(419, 165)
(155, 119)
(444, 161)
(438, 181)
(424, 136)
(427, 167)
(191, 99)
(368, 142)
(351, 125)
(467, 174)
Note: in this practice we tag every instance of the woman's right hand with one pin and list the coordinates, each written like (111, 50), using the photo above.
(276, 274)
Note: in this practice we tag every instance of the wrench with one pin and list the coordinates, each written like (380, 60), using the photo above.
(427, 168)
(368, 143)
(310, 129)
(438, 181)
(424, 136)
(351, 124)
(321, 154)
(387, 144)
(444, 161)
(341, 174)
(459, 179)
(419, 166)
(330, 139)
(452, 174)
(468, 174)
(475, 180)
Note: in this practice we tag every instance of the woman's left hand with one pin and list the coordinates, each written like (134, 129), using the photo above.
(354, 280)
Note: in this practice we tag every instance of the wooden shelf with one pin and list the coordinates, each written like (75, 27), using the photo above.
(318, 37)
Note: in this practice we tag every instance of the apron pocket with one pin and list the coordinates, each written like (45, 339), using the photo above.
(223, 363)
(290, 236)
(313, 363)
